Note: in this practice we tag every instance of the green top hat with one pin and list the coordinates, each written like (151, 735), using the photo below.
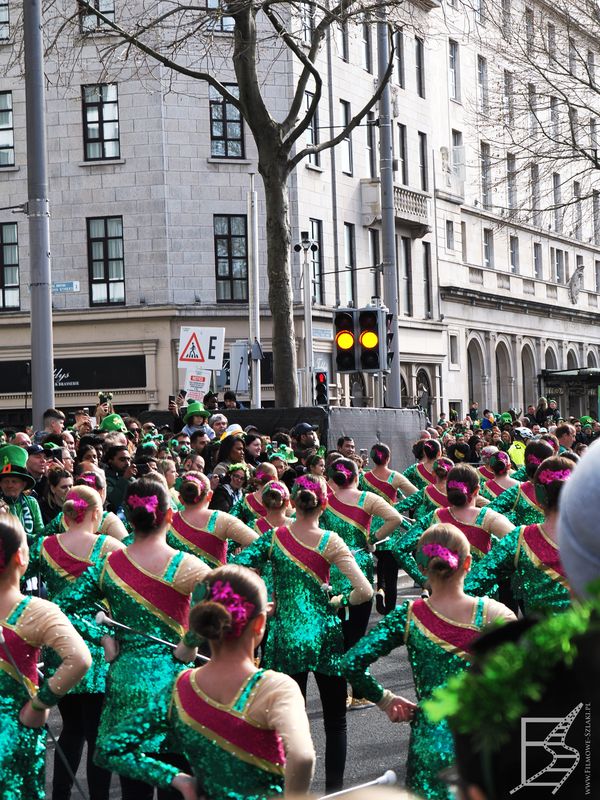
(113, 422)
(196, 409)
(13, 462)
(585, 420)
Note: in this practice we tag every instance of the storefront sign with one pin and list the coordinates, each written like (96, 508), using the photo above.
(78, 374)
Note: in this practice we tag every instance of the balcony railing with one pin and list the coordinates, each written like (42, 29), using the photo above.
(411, 208)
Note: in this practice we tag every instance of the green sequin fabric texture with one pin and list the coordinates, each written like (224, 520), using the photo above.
(94, 681)
(536, 590)
(430, 747)
(143, 669)
(22, 750)
(222, 775)
(358, 545)
(516, 507)
(305, 632)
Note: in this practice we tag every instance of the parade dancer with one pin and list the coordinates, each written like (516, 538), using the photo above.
(27, 624)
(529, 555)
(422, 474)
(305, 632)
(148, 586)
(432, 497)
(519, 503)
(501, 481)
(481, 526)
(486, 473)
(382, 480)
(243, 730)
(109, 523)
(393, 487)
(61, 559)
(350, 513)
(250, 507)
(438, 633)
(199, 530)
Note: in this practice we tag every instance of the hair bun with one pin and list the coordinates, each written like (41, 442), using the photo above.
(211, 620)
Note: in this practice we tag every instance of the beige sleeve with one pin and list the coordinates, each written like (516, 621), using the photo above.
(495, 610)
(44, 624)
(496, 523)
(378, 507)
(402, 483)
(337, 552)
(229, 527)
(114, 527)
(190, 572)
(480, 501)
(278, 704)
(110, 545)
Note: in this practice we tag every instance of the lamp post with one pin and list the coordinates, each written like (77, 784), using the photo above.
(307, 245)
(38, 212)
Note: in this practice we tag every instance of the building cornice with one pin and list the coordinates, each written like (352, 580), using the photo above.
(458, 294)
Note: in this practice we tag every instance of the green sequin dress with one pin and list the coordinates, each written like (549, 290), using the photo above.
(531, 560)
(419, 476)
(144, 669)
(356, 534)
(519, 505)
(403, 544)
(437, 650)
(22, 750)
(305, 633)
(59, 569)
(232, 757)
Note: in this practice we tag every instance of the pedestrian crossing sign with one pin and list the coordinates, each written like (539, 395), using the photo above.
(201, 347)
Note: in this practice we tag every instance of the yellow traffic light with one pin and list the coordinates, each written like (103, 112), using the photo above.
(345, 340)
(369, 340)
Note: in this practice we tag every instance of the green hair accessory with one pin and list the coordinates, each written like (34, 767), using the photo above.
(490, 700)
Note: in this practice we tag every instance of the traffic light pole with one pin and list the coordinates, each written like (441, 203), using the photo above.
(38, 212)
(388, 223)
(308, 329)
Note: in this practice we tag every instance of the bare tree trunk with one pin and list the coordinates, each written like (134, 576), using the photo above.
(285, 379)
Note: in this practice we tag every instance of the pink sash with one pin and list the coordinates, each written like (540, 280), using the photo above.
(61, 561)
(382, 488)
(202, 543)
(309, 560)
(228, 728)
(452, 636)
(160, 598)
(479, 539)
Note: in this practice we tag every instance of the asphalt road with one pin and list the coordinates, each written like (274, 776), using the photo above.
(374, 744)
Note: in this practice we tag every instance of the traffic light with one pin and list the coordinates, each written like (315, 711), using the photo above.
(321, 388)
(346, 344)
(369, 337)
(388, 356)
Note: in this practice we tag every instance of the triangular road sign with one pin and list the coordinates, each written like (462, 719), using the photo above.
(192, 352)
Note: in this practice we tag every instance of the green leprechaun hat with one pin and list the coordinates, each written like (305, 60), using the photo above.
(195, 409)
(113, 422)
(13, 462)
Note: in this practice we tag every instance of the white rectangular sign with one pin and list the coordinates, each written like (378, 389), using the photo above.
(197, 384)
(201, 347)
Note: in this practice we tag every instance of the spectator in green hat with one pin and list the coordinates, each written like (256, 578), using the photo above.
(14, 481)
(195, 418)
(113, 422)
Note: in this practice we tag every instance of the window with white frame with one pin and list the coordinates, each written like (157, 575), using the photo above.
(90, 22)
(7, 133)
(4, 21)
(513, 243)
(9, 267)
(454, 70)
(346, 144)
(312, 132)
(488, 248)
(538, 264)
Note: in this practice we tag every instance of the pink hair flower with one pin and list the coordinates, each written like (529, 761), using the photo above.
(150, 504)
(548, 476)
(436, 550)
(238, 607)
(461, 486)
(81, 505)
